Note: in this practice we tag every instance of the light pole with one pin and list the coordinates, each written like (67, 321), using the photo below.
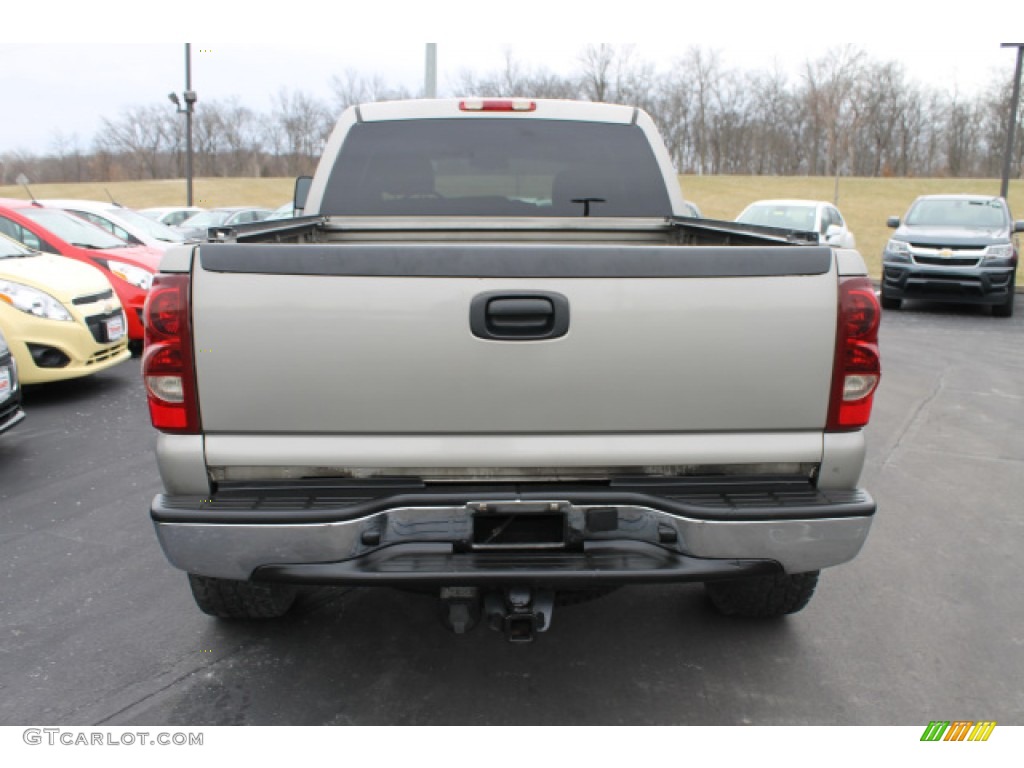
(1004, 190)
(430, 75)
(190, 102)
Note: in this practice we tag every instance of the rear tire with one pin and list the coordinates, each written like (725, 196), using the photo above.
(229, 599)
(762, 597)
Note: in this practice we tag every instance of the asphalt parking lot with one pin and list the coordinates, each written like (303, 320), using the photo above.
(927, 623)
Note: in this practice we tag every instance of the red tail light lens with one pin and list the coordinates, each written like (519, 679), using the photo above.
(857, 367)
(497, 105)
(167, 364)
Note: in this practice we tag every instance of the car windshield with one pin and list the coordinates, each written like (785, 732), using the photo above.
(151, 227)
(12, 249)
(958, 212)
(72, 229)
(208, 219)
(780, 215)
(495, 167)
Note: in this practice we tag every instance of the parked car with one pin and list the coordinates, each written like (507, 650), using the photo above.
(131, 226)
(197, 226)
(10, 389)
(954, 248)
(128, 268)
(285, 211)
(172, 216)
(61, 318)
(808, 215)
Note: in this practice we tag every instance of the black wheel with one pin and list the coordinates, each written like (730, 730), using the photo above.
(1006, 310)
(890, 303)
(229, 599)
(762, 597)
(135, 346)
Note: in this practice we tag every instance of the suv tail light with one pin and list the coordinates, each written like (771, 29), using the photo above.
(857, 367)
(167, 364)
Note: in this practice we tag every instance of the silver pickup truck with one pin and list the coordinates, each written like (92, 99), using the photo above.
(493, 359)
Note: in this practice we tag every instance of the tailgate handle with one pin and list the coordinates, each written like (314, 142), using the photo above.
(519, 315)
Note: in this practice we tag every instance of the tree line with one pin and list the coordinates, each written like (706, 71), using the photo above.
(842, 114)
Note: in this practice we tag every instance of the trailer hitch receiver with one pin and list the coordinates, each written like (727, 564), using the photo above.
(519, 612)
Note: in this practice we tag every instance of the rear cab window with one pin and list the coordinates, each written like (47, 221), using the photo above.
(496, 167)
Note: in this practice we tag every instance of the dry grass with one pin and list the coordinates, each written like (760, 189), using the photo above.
(866, 203)
(208, 193)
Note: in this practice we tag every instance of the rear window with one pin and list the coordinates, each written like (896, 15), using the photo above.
(495, 167)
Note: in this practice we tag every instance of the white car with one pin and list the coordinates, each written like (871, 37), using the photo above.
(172, 216)
(807, 215)
(131, 226)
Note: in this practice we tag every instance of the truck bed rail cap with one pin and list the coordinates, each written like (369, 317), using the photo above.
(528, 261)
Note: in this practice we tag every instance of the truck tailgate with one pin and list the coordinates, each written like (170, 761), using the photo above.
(379, 339)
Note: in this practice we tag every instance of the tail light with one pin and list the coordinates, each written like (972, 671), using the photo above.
(167, 363)
(857, 367)
(497, 105)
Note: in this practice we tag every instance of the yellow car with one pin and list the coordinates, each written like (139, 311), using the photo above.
(61, 318)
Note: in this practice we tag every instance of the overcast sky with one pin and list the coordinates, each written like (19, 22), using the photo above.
(94, 60)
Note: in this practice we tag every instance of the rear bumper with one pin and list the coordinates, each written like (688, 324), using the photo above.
(609, 537)
(973, 285)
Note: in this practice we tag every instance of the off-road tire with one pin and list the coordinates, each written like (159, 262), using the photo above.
(229, 599)
(762, 597)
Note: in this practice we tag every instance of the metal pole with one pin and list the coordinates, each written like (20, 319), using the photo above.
(430, 84)
(1004, 190)
(188, 123)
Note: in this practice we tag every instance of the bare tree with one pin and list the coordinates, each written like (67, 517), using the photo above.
(961, 136)
(842, 114)
(596, 78)
(830, 82)
(67, 151)
(305, 123)
(354, 88)
(139, 136)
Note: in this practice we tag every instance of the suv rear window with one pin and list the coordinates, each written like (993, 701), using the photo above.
(495, 167)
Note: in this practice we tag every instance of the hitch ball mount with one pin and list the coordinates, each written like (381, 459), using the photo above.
(519, 612)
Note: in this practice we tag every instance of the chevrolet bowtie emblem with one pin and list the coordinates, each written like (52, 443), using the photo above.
(946, 253)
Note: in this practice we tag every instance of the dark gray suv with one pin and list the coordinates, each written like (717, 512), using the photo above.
(953, 248)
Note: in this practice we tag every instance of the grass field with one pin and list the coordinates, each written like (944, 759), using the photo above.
(865, 203)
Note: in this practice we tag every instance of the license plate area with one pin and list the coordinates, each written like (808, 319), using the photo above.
(519, 526)
(115, 328)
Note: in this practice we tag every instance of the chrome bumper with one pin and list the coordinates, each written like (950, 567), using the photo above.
(236, 550)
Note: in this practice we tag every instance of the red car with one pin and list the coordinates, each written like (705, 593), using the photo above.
(128, 268)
